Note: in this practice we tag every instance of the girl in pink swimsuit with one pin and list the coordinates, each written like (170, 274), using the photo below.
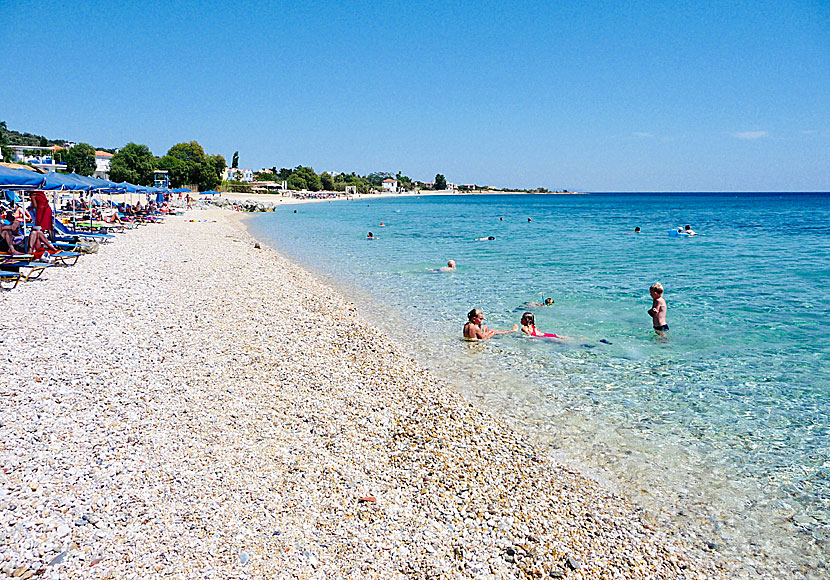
(529, 327)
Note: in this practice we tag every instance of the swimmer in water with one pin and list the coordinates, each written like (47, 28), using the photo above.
(450, 267)
(546, 302)
(486, 239)
(383, 225)
(529, 327)
(690, 231)
(475, 329)
(370, 236)
(637, 230)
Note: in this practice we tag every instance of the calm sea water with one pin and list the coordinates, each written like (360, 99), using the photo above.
(723, 423)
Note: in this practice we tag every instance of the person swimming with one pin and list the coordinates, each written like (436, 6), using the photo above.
(529, 327)
(450, 267)
(486, 239)
(370, 236)
(545, 302)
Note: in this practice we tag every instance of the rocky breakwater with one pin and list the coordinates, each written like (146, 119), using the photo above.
(243, 205)
(185, 405)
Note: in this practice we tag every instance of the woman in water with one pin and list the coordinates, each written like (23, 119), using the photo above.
(529, 327)
(475, 329)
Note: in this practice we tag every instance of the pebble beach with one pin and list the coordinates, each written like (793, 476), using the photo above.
(185, 404)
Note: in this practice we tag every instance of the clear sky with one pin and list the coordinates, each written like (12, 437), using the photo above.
(580, 95)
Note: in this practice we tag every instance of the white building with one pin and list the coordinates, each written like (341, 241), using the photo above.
(102, 164)
(40, 157)
(390, 184)
(236, 174)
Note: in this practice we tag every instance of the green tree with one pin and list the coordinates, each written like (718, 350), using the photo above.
(7, 152)
(376, 178)
(327, 182)
(176, 170)
(193, 156)
(210, 174)
(296, 182)
(235, 162)
(440, 182)
(80, 159)
(305, 176)
(134, 163)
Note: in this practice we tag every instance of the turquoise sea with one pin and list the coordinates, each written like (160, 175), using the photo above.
(722, 425)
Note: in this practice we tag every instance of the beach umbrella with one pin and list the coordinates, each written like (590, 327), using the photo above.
(19, 178)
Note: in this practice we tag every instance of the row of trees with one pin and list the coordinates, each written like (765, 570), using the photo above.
(186, 164)
(302, 177)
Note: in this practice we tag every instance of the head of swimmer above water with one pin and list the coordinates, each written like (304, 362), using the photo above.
(528, 319)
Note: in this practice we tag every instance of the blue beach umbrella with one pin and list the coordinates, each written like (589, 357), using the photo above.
(19, 178)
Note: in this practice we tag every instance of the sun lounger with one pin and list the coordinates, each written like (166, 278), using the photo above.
(9, 280)
(62, 257)
(76, 247)
(25, 269)
(63, 231)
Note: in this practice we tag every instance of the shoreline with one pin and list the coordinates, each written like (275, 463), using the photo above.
(270, 430)
(278, 199)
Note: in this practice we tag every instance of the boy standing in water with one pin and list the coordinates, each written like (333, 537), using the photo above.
(658, 308)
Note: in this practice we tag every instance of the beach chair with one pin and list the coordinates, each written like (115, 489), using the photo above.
(75, 246)
(62, 257)
(9, 280)
(24, 266)
(64, 231)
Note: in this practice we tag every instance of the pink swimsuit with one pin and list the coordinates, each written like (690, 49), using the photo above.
(542, 335)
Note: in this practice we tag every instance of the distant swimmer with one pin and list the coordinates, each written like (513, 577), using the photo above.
(383, 225)
(450, 267)
(637, 230)
(529, 220)
(690, 231)
(501, 219)
(529, 327)
(486, 239)
(370, 236)
(475, 329)
(545, 302)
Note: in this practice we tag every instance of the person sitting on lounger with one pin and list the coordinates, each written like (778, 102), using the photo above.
(9, 234)
(39, 243)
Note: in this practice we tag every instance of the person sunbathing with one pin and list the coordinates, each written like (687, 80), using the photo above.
(39, 243)
(10, 233)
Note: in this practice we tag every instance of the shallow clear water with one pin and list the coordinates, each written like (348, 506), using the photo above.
(726, 419)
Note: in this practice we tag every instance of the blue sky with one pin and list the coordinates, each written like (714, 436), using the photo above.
(592, 96)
